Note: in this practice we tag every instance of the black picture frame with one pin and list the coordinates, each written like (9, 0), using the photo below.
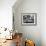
(29, 19)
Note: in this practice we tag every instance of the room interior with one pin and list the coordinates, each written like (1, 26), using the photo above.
(15, 30)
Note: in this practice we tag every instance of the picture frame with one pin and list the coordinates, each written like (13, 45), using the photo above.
(29, 19)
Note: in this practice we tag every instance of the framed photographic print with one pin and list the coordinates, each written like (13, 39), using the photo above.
(29, 19)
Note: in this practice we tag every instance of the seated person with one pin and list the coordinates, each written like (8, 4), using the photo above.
(18, 40)
(29, 43)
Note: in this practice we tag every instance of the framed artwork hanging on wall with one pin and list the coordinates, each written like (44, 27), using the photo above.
(29, 19)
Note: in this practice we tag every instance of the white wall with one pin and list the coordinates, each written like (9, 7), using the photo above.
(43, 22)
(31, 32)
(6, 13)
(35, 33)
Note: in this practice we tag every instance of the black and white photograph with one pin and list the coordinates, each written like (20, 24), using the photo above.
(29, 18)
